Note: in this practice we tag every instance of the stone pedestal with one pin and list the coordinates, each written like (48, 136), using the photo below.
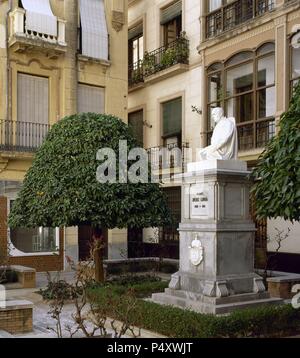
(216, 273)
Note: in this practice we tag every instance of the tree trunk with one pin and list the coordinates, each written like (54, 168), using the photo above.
(98, 262)
(98, 254)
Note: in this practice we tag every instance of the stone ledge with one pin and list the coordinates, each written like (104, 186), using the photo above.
(16, 305)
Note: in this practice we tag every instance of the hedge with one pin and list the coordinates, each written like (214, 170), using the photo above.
(263, 322)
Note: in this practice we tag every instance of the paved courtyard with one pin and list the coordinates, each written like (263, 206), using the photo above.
(42, 321)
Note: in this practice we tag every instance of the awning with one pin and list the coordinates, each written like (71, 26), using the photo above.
(94, 29)
(171, 12)
(39, 17)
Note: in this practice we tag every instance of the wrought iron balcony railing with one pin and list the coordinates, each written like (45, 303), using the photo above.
(176, 52)
(254, 135)
(19, 136)
(170, 156)
(234, 14)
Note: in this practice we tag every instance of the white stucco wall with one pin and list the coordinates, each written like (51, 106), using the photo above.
(187, 84)
(292, 243)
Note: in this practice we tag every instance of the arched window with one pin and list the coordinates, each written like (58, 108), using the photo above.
(245, 87)
(295, 60)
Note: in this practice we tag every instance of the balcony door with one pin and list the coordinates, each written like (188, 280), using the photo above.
(32, 122)
(171, 22)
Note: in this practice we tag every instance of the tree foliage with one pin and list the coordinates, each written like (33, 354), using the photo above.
(61, 189)
(277, 176)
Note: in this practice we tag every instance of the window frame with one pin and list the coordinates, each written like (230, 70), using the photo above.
(15, 252)
(291, 79)
(222, 70)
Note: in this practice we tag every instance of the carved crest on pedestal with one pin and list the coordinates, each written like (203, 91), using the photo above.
(196, 251)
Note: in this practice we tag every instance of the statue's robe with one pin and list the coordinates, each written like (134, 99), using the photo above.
(224, 142)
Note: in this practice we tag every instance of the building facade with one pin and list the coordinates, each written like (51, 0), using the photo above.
(57, 58)
(165, 74)
(242, 55)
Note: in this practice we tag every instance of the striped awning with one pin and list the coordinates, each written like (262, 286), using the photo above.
(171, 12)
(39, 17)
(94, 29)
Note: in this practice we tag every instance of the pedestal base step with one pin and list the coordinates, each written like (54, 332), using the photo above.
(228, 305)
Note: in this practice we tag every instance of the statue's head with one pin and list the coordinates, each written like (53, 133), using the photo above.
(217, 114)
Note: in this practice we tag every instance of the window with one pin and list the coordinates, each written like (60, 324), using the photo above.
(174, 203)
(136, 124)
(38, 240)
(32, 111)
(93, 29)
(295, 60)
(245, 87)
(135, 44)
(171, 20)
(172, 121)
(90, 99)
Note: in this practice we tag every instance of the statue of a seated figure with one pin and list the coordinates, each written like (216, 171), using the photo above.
(224, 142)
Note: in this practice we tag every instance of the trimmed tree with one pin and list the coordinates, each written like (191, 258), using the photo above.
(277, 176)
(61, 188)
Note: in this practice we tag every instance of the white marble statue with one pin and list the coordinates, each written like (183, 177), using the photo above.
(224, 141)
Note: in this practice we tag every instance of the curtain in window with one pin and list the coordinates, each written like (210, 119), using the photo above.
(39, 17)
(172, 117)
(171, 12)
(94, 29)
(90, 99)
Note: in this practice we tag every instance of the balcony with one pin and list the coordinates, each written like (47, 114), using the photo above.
(25, 137)
(171, 156)
(237, 12)
(22, 40)
(163, 58)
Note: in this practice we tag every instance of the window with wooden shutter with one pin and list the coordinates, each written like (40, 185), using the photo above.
(90, 99)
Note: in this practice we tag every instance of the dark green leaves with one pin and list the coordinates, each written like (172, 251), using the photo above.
(61, 189)
(277, 176)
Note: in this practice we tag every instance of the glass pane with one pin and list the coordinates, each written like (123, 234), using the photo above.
(266, 48)
(214, 5)
(141, 48)
(265, 131)
(266, 102)
(266, 71)
(296, 63)
(240, 57)
(245, 137)
(241, 108)
(239, 79)
(34, 240)
(215, 67)
(215, 87)
(209, 110)
(135, 49)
